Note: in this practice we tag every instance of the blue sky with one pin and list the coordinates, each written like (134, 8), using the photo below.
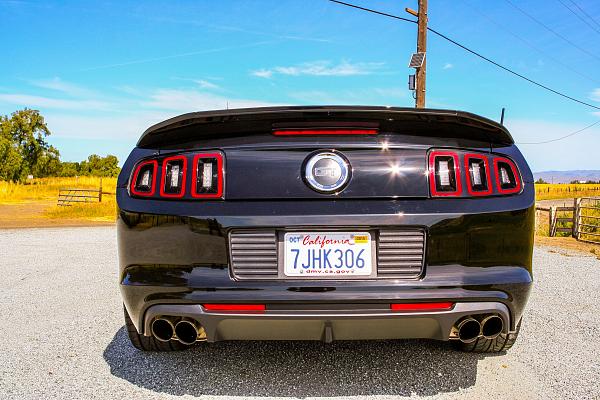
(101, 72)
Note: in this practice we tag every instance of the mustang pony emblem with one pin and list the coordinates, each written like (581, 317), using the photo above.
(327, 172)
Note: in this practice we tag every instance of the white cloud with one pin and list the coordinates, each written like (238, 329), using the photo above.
(448, 66)
(192, 100)
(78, 120)
(375, 96)
(202, 83)
(595, 95)
(128, 127)
(229, 28)
(59, 85)
(206, 84)
(20, 99)
(172, 56)
(263, 73)
(322, 68)
(161, 105)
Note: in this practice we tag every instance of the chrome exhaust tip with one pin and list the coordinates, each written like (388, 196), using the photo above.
(189, 331)
(162, 329)
(468, 329)
(491, 326)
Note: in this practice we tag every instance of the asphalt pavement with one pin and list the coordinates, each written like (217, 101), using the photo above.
(62, 337)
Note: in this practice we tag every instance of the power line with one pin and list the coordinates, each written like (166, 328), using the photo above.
(552, 30)
(586, 14)
(563, 137)
(579, 16)
(528, 43)
(474, 53)
(373, 11)
(515, 73)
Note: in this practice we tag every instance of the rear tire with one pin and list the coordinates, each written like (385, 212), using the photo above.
(149, 343)
(502, 342)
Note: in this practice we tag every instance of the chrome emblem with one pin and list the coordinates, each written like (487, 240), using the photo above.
(326, 172)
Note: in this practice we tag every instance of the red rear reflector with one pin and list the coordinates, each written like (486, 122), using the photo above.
(421, 306)
(295, 132)
(234, 307)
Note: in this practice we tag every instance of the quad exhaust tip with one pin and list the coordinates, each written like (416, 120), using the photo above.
(186, 330)
(487, 326)
(491, 326)
(163, 329)
(469, 330)
(189, 331)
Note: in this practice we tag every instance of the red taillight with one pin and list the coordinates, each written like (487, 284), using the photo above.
(174, 172)
(234, 307)
(421, 306)
(207, 176)
(444, 174)
(507, 176)
(143, 181)
(349, 131)
(206, 173)
(477, 169)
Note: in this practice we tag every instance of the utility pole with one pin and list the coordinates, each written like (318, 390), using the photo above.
(421, 48)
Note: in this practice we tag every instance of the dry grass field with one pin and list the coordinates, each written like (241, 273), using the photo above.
(34, 203)
(550, 191)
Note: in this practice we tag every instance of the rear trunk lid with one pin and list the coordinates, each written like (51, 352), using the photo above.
(389, 163)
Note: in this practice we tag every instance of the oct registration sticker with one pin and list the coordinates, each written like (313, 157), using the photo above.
(339, 254)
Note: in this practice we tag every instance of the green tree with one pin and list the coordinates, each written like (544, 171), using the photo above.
(29, 131)
(100, 166)
(48, 163)
(68, 168)
(24, 151)
(23, 146)
(10, 157)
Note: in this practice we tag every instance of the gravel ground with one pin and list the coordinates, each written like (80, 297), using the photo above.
(63, 338)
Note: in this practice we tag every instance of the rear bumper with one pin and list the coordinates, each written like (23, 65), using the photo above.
(328, 325)
(178, 256)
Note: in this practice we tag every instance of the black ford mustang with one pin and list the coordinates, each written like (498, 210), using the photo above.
(325, 223)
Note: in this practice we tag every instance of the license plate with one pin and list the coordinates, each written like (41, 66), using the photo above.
(331, 254)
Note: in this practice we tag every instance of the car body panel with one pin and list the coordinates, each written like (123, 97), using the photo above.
(175, 253)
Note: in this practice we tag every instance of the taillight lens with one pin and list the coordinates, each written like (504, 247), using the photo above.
(481, 171)
(333, 131)
(507, 176)
(207, 177)
(173, 175)
(421, 306)
(235, 307)
(444, 174)
(477, 170)
(143, 181)
(174, 172)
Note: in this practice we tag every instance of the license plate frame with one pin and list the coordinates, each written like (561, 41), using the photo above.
(372, 242)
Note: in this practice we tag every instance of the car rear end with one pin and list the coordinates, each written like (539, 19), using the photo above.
(325, 223)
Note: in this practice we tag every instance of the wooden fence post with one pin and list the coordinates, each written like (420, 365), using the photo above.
(100, 192)
(576, 202)
(550, 220)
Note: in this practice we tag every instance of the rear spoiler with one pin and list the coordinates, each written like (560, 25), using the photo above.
(250, 121)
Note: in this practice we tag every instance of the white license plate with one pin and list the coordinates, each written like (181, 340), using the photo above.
(339, 254)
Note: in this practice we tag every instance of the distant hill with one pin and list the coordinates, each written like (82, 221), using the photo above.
(568, 176)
